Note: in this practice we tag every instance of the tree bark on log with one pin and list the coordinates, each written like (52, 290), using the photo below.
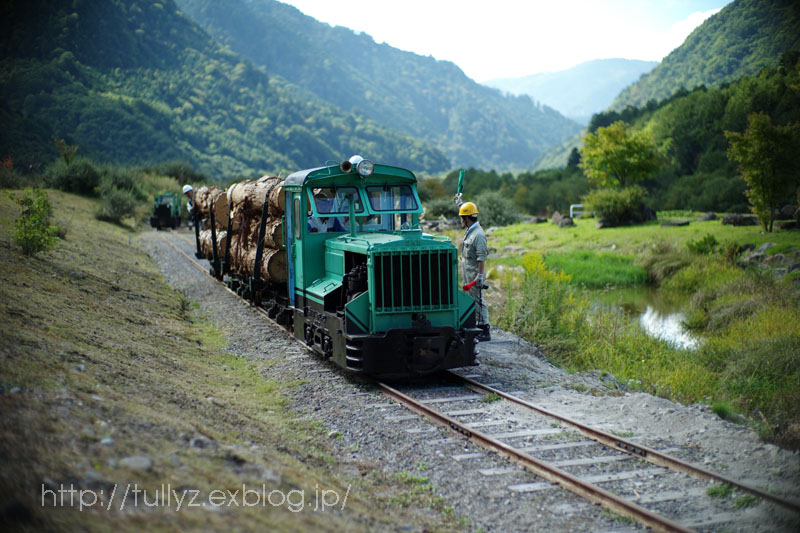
(206, 247)
(249, 195)
(247, 201)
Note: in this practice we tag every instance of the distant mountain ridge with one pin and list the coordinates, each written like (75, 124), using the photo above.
(471, 124)
(740, 40)
(580, 91)
(135, 82)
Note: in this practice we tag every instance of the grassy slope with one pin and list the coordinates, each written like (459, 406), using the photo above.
(96, 345)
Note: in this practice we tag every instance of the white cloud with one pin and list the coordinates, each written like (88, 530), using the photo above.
(679, 31)
(509, 38)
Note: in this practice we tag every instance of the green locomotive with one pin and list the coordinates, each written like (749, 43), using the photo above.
(166, 211)
(365, 286)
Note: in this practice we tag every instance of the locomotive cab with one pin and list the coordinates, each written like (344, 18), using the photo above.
(367, 288)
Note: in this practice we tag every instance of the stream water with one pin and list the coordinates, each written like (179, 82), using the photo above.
(660, 316)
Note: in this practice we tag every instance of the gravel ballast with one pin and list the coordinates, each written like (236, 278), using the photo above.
(369, 431)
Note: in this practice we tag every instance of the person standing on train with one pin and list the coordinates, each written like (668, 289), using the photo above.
(188, 190)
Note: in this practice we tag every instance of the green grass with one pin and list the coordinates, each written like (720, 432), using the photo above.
(597, 269)
(629, 240)
(720, 491)
(749, 320)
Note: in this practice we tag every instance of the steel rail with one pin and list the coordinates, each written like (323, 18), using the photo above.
(644, 452)
(540, 468)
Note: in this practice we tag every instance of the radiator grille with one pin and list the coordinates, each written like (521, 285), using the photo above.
(417, 280)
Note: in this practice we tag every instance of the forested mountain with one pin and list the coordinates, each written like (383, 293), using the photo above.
(133, 81)
(740, 40)
(689, 130)
(420, 96)
(580, 91)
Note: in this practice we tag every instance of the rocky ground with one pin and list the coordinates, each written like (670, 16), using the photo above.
(368, 432)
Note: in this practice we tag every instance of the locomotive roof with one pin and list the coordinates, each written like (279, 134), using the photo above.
(302, 177)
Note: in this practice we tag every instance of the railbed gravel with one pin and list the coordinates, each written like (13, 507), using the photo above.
(365, 427)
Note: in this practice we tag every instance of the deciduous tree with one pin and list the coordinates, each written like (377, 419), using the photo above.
(768, 161)
(616, 156)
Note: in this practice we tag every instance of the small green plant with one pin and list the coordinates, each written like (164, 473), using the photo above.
(719, 491)
(491, 397)
(745, 501)
(706, 245)
(730, 250)
(617, 517)
(32, 230)
(723, 409)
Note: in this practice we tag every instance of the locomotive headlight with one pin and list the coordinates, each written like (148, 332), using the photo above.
(365, 167)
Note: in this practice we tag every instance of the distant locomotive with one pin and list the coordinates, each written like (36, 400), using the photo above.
(357, 280)
(166, 211)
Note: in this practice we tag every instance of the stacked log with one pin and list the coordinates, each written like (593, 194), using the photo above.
(205, 198)
(246, 200)
(206, 246)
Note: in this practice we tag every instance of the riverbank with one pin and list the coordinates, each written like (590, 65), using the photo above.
(743, 289)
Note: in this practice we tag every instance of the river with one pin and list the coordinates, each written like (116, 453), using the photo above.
(660, 315)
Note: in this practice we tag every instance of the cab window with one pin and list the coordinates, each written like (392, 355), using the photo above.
(392, 198)
(335, 200)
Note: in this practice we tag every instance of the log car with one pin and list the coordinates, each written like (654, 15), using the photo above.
(364, 286)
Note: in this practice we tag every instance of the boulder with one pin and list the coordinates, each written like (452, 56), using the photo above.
(707, 216)
(764, 247)
(562, 221)
(675, 223)
(535, 220)
(740, 220)
(786, 212)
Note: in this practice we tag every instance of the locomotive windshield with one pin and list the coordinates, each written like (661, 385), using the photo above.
(336, 200)
(396, 198)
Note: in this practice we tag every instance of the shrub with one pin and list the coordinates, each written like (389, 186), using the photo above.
(618, 207)
(706, 245)
(125, 179)
(115, 203)
(495, 209)
(181, 171)
(440, 207)
(80, 176)
(32, 230)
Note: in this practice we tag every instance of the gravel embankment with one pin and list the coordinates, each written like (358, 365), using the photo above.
(367, 431)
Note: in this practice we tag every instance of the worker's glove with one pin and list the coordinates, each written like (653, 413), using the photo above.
(480, 279)
(457, 200)
(469, 285)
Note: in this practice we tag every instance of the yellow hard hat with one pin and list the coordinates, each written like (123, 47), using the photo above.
(468, 208)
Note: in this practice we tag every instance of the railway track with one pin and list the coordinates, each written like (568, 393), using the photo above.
(650, 486)
(621, 474)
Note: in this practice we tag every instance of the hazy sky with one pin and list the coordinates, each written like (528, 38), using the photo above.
(513, 38)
